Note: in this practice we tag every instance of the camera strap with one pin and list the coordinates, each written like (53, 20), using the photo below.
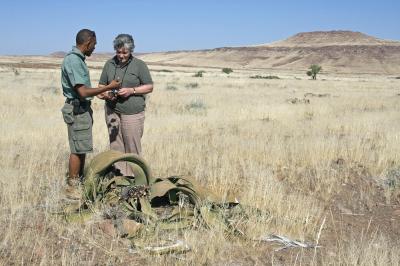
(126, 68)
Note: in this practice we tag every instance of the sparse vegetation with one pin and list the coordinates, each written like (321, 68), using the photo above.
(227, 70)
(171, 88)
(192, 85)
(196, 105)
(16, 71)
(165, 70)
(314, 70)
(264, 77)
(199, 74)
(318, 174)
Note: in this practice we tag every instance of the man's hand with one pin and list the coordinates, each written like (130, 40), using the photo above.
(125, 92)
(84, 91)
(113, 85)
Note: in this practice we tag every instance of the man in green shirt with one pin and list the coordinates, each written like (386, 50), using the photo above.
(77, 114)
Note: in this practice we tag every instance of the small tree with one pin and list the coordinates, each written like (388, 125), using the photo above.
(227, 70)
(314, 70)
(199, 74)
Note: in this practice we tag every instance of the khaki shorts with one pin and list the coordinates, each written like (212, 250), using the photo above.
(79, 130)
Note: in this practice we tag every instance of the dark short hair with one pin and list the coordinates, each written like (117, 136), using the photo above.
(84, 35)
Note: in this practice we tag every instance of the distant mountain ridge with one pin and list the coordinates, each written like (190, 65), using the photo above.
(335, 51)
(62, 54)
(58, 54)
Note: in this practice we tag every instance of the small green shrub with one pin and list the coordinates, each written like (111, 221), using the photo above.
(196, 105)
(192, 85)
(227, 70)
(199, 74)
(16, 71)
(392, 179)
(264, 77)
(308, 115)
(314, 70)
(171, 88)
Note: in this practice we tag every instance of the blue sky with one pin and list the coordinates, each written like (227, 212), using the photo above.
(45, 26)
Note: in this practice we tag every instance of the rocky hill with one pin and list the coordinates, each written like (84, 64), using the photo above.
(335, 51)
(330, 38)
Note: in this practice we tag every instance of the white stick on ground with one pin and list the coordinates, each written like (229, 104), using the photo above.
(287, 242)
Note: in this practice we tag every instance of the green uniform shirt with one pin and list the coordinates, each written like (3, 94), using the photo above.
(74, 71)
(132, 74)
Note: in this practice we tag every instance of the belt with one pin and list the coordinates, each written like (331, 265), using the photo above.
(80, 107)
(70, 100)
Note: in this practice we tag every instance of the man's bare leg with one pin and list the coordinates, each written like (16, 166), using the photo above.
(82, 165)
(76, 165)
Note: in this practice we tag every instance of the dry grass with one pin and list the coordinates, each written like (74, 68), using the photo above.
(237, 136)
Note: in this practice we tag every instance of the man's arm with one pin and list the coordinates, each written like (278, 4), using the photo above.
(84, 91)
(105, 95)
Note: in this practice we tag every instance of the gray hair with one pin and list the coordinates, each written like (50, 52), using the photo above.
(124, 40)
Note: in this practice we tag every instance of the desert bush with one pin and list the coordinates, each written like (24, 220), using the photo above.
(171, 88)
(196, 105)
(391, 184)
(314, 70)
(392, 179)
(199, 74)
(16, 71)
(264, 77)
(227, 70)
(165, 70)
(192, 85)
